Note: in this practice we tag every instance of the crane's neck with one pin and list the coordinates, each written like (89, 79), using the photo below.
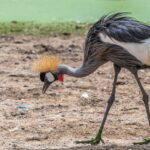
(81, 71)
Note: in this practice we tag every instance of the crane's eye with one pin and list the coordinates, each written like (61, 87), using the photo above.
(50, 77)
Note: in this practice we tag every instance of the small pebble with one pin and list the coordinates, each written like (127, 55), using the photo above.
(85, 95)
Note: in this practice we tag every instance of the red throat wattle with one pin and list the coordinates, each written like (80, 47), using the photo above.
(60, 78)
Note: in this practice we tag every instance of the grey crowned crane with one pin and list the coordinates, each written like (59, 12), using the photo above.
(115, 37)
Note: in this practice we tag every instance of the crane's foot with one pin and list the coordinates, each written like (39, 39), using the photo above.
(145, 141)
(95, 141)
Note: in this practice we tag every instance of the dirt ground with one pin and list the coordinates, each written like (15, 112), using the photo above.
(57, 119)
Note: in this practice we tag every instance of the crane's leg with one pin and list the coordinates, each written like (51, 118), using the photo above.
(145, 95)
(145, 99)
(98, 137)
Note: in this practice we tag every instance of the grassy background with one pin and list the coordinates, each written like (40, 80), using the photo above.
(50, 29)
(62, 17)
(47, 11)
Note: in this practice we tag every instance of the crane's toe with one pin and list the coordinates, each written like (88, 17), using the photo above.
(92, 141)
(145, 141)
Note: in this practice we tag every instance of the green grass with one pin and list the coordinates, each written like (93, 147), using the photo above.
(51, 29)
(45, 11)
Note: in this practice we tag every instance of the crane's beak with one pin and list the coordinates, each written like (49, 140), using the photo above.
(46, 85)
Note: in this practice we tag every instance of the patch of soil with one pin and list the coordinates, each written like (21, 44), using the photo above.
(57, 119)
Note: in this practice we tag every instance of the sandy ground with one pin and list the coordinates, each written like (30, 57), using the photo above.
(57, 119)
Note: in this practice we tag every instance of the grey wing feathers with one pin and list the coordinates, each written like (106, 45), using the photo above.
(121, 57)
(125, 29)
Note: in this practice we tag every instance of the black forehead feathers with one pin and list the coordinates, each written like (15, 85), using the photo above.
(42, 76)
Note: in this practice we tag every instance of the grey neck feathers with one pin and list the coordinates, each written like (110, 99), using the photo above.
(81, 71)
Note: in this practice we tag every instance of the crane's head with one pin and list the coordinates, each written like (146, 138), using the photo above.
(47, 66)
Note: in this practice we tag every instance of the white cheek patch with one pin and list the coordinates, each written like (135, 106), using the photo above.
(50, 77)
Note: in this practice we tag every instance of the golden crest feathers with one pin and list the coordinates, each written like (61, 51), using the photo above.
(45, 63)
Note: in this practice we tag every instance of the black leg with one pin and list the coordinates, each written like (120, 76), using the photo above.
(98, 137)
(145, 95)
(145, 99)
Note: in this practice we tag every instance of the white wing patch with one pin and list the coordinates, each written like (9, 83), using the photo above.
(139, 50)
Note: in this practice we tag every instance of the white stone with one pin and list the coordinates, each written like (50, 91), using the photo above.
(85, 95)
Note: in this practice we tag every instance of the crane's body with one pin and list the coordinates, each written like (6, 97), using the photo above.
(116, 38)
